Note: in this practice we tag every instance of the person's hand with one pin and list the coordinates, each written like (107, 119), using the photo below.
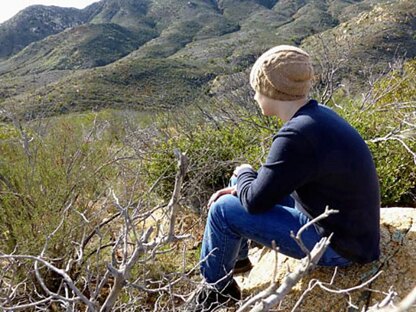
(240, 167)
(228, 190)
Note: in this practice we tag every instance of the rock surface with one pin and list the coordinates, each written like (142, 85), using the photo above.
(397, 263)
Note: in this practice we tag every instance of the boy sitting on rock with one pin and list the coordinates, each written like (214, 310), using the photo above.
(316, 160)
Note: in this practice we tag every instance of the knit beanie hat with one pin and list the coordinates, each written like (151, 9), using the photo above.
(282, 73)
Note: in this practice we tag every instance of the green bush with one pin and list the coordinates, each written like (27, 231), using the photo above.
(214, 150)
(61, 165)
(399, 86)
(395, 165)
(385, 122)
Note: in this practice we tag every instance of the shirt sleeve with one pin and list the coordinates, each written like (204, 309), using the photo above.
(290, 164)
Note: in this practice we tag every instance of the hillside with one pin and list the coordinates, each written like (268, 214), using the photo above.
(117, 49)
(371, 39)
(135, 84)
(84, 46)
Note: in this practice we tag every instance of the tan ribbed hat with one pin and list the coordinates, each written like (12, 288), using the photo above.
(282, 73)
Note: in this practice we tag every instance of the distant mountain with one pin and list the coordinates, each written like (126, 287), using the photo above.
(152, 53)
(35, 23)
(79, 47)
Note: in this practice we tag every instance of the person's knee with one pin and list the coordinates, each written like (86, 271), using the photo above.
(226, 203)
(226, 209)
(218, 207)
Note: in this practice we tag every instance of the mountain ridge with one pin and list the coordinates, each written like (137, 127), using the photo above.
(35, 23)
(214, 37)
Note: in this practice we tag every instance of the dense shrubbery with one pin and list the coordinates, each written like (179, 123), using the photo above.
(395, 165)
(44, 170)
(393, 120)
(214, 149)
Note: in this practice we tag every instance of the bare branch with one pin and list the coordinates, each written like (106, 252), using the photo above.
(405, 305)
(274, 294)
(298, 237)
(27, 306)
(173, 203)
(122, 275)
(62, 273)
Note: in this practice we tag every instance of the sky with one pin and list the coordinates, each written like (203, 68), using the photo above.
(9, 8)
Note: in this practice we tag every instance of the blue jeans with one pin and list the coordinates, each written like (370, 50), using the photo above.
(229, 226)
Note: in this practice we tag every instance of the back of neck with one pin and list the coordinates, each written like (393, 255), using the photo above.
(287, 109)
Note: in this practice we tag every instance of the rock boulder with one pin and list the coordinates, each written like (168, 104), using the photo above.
(397, 263)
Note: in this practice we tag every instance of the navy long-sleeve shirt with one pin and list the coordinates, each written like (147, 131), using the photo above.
(322, 161)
